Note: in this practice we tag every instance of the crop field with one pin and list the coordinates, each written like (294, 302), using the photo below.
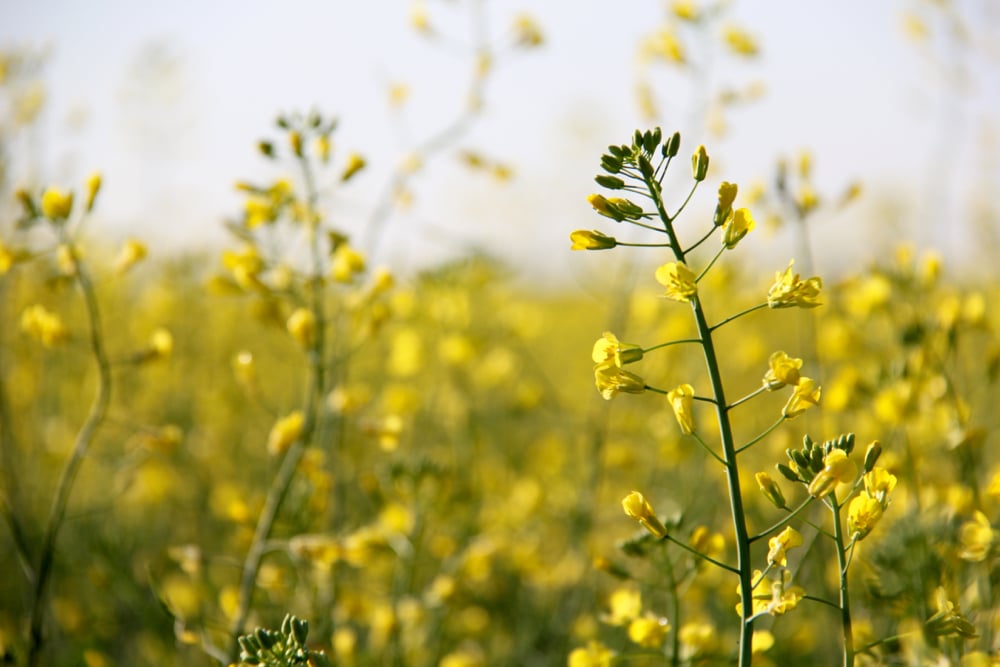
(280, 452)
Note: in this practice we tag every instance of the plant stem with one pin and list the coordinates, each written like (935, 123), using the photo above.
(743, 564)
(84, 438)
(845, 605)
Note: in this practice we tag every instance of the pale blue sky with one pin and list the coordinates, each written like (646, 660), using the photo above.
(841, 81)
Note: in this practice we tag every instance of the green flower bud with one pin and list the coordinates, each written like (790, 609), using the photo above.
(672, 145)
(872, 455)
(699, 164)
(610, 182)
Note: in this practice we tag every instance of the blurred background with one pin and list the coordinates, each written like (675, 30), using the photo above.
(167, 100)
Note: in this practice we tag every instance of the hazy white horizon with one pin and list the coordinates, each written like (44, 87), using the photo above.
(841, 81)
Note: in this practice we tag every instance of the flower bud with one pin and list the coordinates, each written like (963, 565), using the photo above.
(672, 145)
(771, 490)
(699, 164)
(637, 507)
(595, 240)
(872, 455)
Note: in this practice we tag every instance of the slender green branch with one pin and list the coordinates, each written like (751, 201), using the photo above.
(700, 555)
(813, 598)
(642, 245)
(746, 398)
(84, 438)
(763, 435)
(646, 350)
(791, 515)
(709, 234)
(737, 316)
(685, 203)
(710, 264)
(708, 449)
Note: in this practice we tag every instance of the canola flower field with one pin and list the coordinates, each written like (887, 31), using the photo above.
(280, 456)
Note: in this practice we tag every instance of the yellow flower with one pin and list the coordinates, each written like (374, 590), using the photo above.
(724, 208)
(609, 348)
(302, 325)
(56, 204)
(131, 253)
(837, 469)
(624, 605)
(740, 41)
(783, 370)
(879, 483)
(739, 224)
(679, 281)
(649, 630)
(245, 265)
(161, 343)
(285, 431)
(355, 163)
(526, 31)
(347, 262)
(976, 537)
(686, 10)
(665, 45)
(681, 400)
(92, 187)
(43, 325)
(948, 620)
(805, 395)
(782, 598)
(699, 164)
(637, 507)
(770, 489)
(595, 240)
(322, 144)
(595, 655)
(780, 544)
(611, 380)
(789, 290)
(7, 258)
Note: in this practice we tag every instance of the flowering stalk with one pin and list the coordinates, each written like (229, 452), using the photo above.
(743, 564)
(84, 438)
(315, 385)
(842, 565)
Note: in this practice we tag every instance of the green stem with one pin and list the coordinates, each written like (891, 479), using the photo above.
(766, 432)
(842, 563)
(743, 563)
(748, 397)
(668, 344)
(704, 557)
(738, 315)
(785, 520)
(84, 438)
(642, 245)
(710, 264)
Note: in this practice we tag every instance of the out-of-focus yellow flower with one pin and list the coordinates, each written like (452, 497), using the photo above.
(679, 281)
(285, 431)
(318, 549)
(419, 18)
(355, 163)
(740, 41)
(323, 147)
(624, 605)
(780, 544)
(132, 253)
(789, 290)
(805, 395)
(66, 257)
(976, 537)
(637, 507)
(595, 654)
(92, 187)
(611, 380)
(609, 348)
(295, 141)
(914, 27)
(682, 401)
(686, 10)
(56, 204)
(591, 240)
(527, 33)
(739, 224)
(649, 630)
(347, 263)
(246, 266)
(664, 45)
(244, 369)
(302, 326)
(808, 199)
(7, 258)
(44, 325)
(838, 468)
(761, 642)
(161, 343)
(697, 638)
(782, 370)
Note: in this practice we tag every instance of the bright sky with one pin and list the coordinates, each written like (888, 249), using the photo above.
(841, 80)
